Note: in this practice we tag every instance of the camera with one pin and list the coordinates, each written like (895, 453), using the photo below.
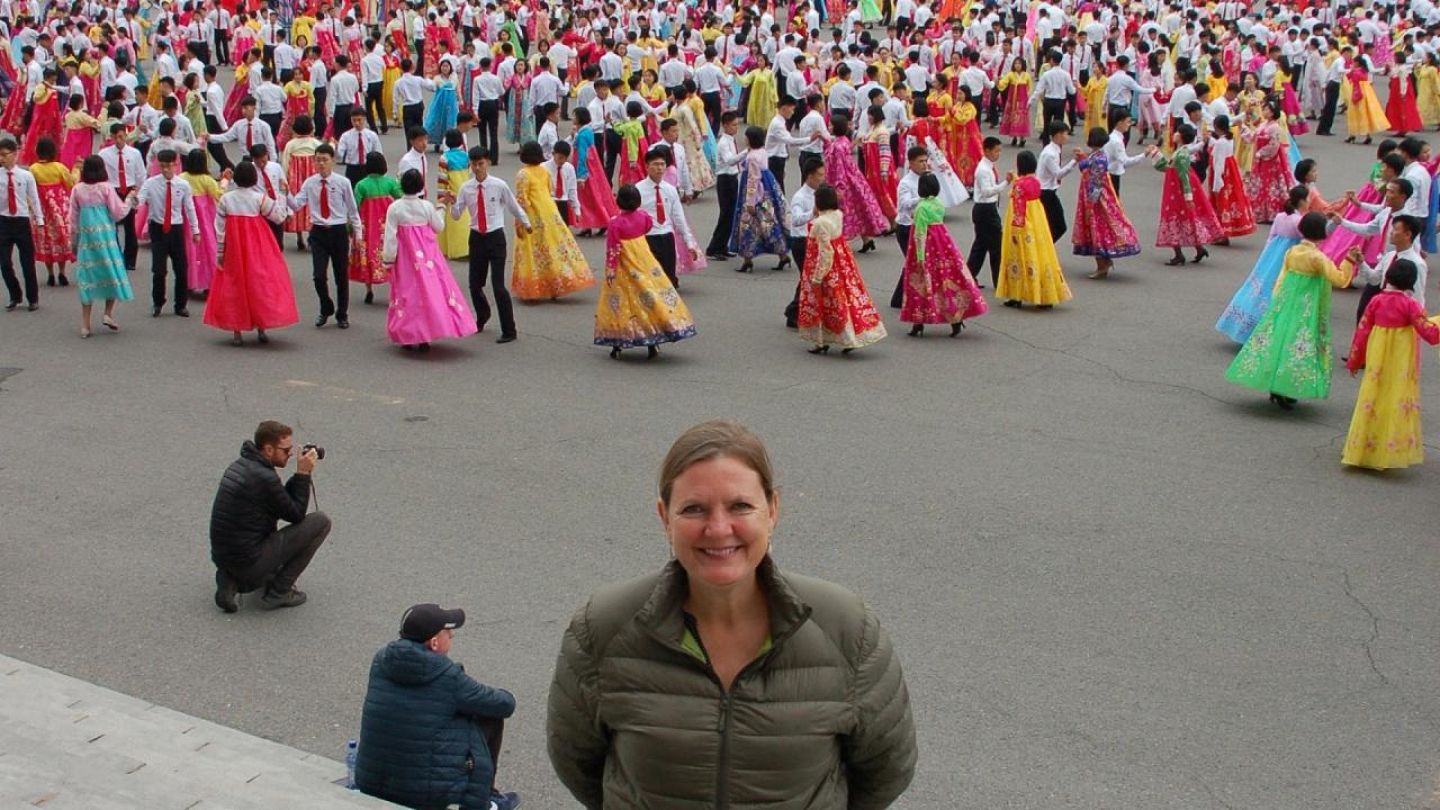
(319, 451)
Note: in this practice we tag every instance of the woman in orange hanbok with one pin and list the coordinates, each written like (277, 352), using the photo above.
(964, 124)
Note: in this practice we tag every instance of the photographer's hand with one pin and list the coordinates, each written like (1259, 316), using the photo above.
(305, 463)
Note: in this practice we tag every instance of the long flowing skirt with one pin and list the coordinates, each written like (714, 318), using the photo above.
(1102, 228)
(883, 181)
(1402, 110)
(838, 311)
(863, 215)
(203, 256)
(52, 242)
(12, 117)
(1339, 242)
(76, 146)
(99, 264)
(366, 266)
(701, 175)
(1186, 223)
(92, 93)
(455, 239)
(1366, 115)
(1294, 117)
(1016, 121)
(1232, 206)
(232, 101)
(44, 123)
(425, 302)
(1385, 427)
(939, 289)
(301, 167)
(639, 306)
(597, 201)
(1289, 352)
(1029, 269)
(252, 288)
(1268, 185)
(548, 262)
(441, 115)
(1248, 305)
(759, 217)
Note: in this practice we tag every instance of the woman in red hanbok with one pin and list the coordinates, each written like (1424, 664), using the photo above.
(1401, 107)
(44, 119)
(374, 195)
(597, 201)
(1268, 184)
(327, 36)
(880, 170)
(966, 151)
(938, 286)
(835, 307)
(13, 116)
(53, 242)
(1226, 185)
(1102, 228)
(1186, 216)
(241, 88)
(1015, 123)
(252, 288)
(863, 217)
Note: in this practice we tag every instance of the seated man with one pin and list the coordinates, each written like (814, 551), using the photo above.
(429, 733)
(247, 549)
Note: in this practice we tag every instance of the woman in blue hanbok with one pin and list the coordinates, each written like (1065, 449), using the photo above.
(1249, 303)
(761, 218)
(444, 106)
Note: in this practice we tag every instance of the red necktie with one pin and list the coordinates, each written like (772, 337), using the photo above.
(424, 175)
(10, 193)
(559, 182)
(249, 135)
(324, 198)
(482, 223)
(119, 163)
(269, 186)
(659, 206)
(165, 228)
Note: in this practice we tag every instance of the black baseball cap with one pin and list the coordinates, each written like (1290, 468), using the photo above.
(422, 622)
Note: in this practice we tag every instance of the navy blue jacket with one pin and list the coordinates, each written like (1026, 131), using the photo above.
(418, 744)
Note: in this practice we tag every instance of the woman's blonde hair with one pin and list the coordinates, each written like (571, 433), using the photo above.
(719, 438)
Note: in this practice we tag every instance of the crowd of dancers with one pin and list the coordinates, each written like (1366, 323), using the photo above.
(623, 116)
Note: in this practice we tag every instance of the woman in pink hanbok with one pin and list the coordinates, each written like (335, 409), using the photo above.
(684, 262)
(938, 286)
(425, 302)
(327, 37)
(1339, 242)
(78, 140)
(203, 255)
(1152, 114)
(244, 42)
(1270, 179)
(863, 215)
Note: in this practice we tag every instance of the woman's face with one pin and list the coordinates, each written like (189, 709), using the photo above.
(719, 521)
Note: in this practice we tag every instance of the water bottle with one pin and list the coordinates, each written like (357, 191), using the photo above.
(351, 749)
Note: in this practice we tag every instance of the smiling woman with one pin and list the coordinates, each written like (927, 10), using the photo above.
(720, 681)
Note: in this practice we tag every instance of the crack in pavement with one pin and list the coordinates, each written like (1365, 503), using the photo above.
(1368, 644)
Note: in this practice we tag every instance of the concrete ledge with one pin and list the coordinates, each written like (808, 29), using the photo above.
(66, 743)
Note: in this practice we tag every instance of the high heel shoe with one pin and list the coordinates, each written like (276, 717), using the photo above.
(1201, 253)
(847, 351)
(957, 328)
(1350, 139)
(110, 324)
(652, 352)
(820, 349)
(917, 330)
(784, 263)
(868, 246)
(1178, 261)
(1285, 403)
(369, 296)
(1366, 142)
(746, 266)
(261, 336)
(237, 341)
(615, 353)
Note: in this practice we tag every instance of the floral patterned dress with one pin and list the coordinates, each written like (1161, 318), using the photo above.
(863, 216)
(835, 306)
(548, 262)
(1102, 228)
(1186, 216)
(1029, 269)
(1385, 430)
(638, 305)
(762, 219)
(938, 286)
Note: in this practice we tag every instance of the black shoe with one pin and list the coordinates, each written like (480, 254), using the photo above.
(957, 328)
(1285, 403)
(506, 339)
(272, 600)
(262, 337)
(1200, 254)
(11, 306)
(321, 321)
(1177, 261)
(652, 352)
(154, 312)
(342, 323)
(1012, 303)
(746, 267)
(50, 282)
(718, 257)
(64, 281)
(227, 592)
(32, 307)
(369, 296)
(918, 330)
(820, 350)
(182, 312)
(615, 353)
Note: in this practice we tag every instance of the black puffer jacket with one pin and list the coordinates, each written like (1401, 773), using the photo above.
(249, 505)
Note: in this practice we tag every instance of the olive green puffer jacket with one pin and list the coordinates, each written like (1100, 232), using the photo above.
(821, 721)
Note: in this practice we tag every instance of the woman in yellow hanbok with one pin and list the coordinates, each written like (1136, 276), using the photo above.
(1029, 269)
(387, 90)
(303, 25)
(548, 263)
(763, 94)
(454, 171)
(1094, 93)
(650, 89)
(638, 305)
(1363, 113)
(1250, 99)
(1427, 94)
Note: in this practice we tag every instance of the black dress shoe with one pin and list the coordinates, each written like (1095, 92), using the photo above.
(369, 296)
(321, 321)
(182, 312)
(506, 339)
(11, 306)
(343, 324)
(155, 312)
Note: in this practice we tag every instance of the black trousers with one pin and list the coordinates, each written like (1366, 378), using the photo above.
(15, 233)
(1054, 214)
(1051, 109)
(797, 254)
(488, 126)
(663, 247)
(713, 109)
(202, 51)
(419, 57)
(284, 556)
(902, 236)
(216, 150)
(1327, 113)
(330, 250)
(777, 168)
(1071, 103)
(563, 206)
(613, 145)
(374, 108)
(222, 46)
(1115, 181)
(354, 174)
(987, 241)
(993, 108)
(319, 116)
(1370, 291)
(273, 121)
(487, 258)
(342, 119)
(168, 249)
(412, 115)
(126, 224)
(727, 189)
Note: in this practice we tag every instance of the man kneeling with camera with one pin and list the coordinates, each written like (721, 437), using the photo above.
(245, 545)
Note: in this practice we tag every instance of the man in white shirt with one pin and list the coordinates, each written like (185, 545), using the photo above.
(354, 147)
(989, 185)
(1052, 89)
(408, 102)
(1413, 150)
(213, 105)
(812, 130)
(125, 169)
(1117, 160)
(19, 205)
(343, 97)
(662, 201)
(487, 198)
(1051, 170)
(843, 98)
(802, 211)
(907, 195)
(330, 200)
(1333, 78)
(270, 102)
(171, 205)
(778, 139)
(1404, 231)
(1120, 91)
(727, 186)
(488, 89)
(545, 88)
(248, 131)
(320, 86)
(709, 81)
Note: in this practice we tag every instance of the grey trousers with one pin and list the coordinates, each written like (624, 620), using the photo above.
(284, 556)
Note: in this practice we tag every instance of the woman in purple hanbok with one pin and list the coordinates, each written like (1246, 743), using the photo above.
(863, 216)
(762, 220)
(1102, 229)
(425, 302)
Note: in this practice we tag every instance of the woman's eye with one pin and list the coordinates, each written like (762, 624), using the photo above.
(692, 510)
(741, 507)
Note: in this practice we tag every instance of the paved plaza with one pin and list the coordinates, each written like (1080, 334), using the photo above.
(1114, 579)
